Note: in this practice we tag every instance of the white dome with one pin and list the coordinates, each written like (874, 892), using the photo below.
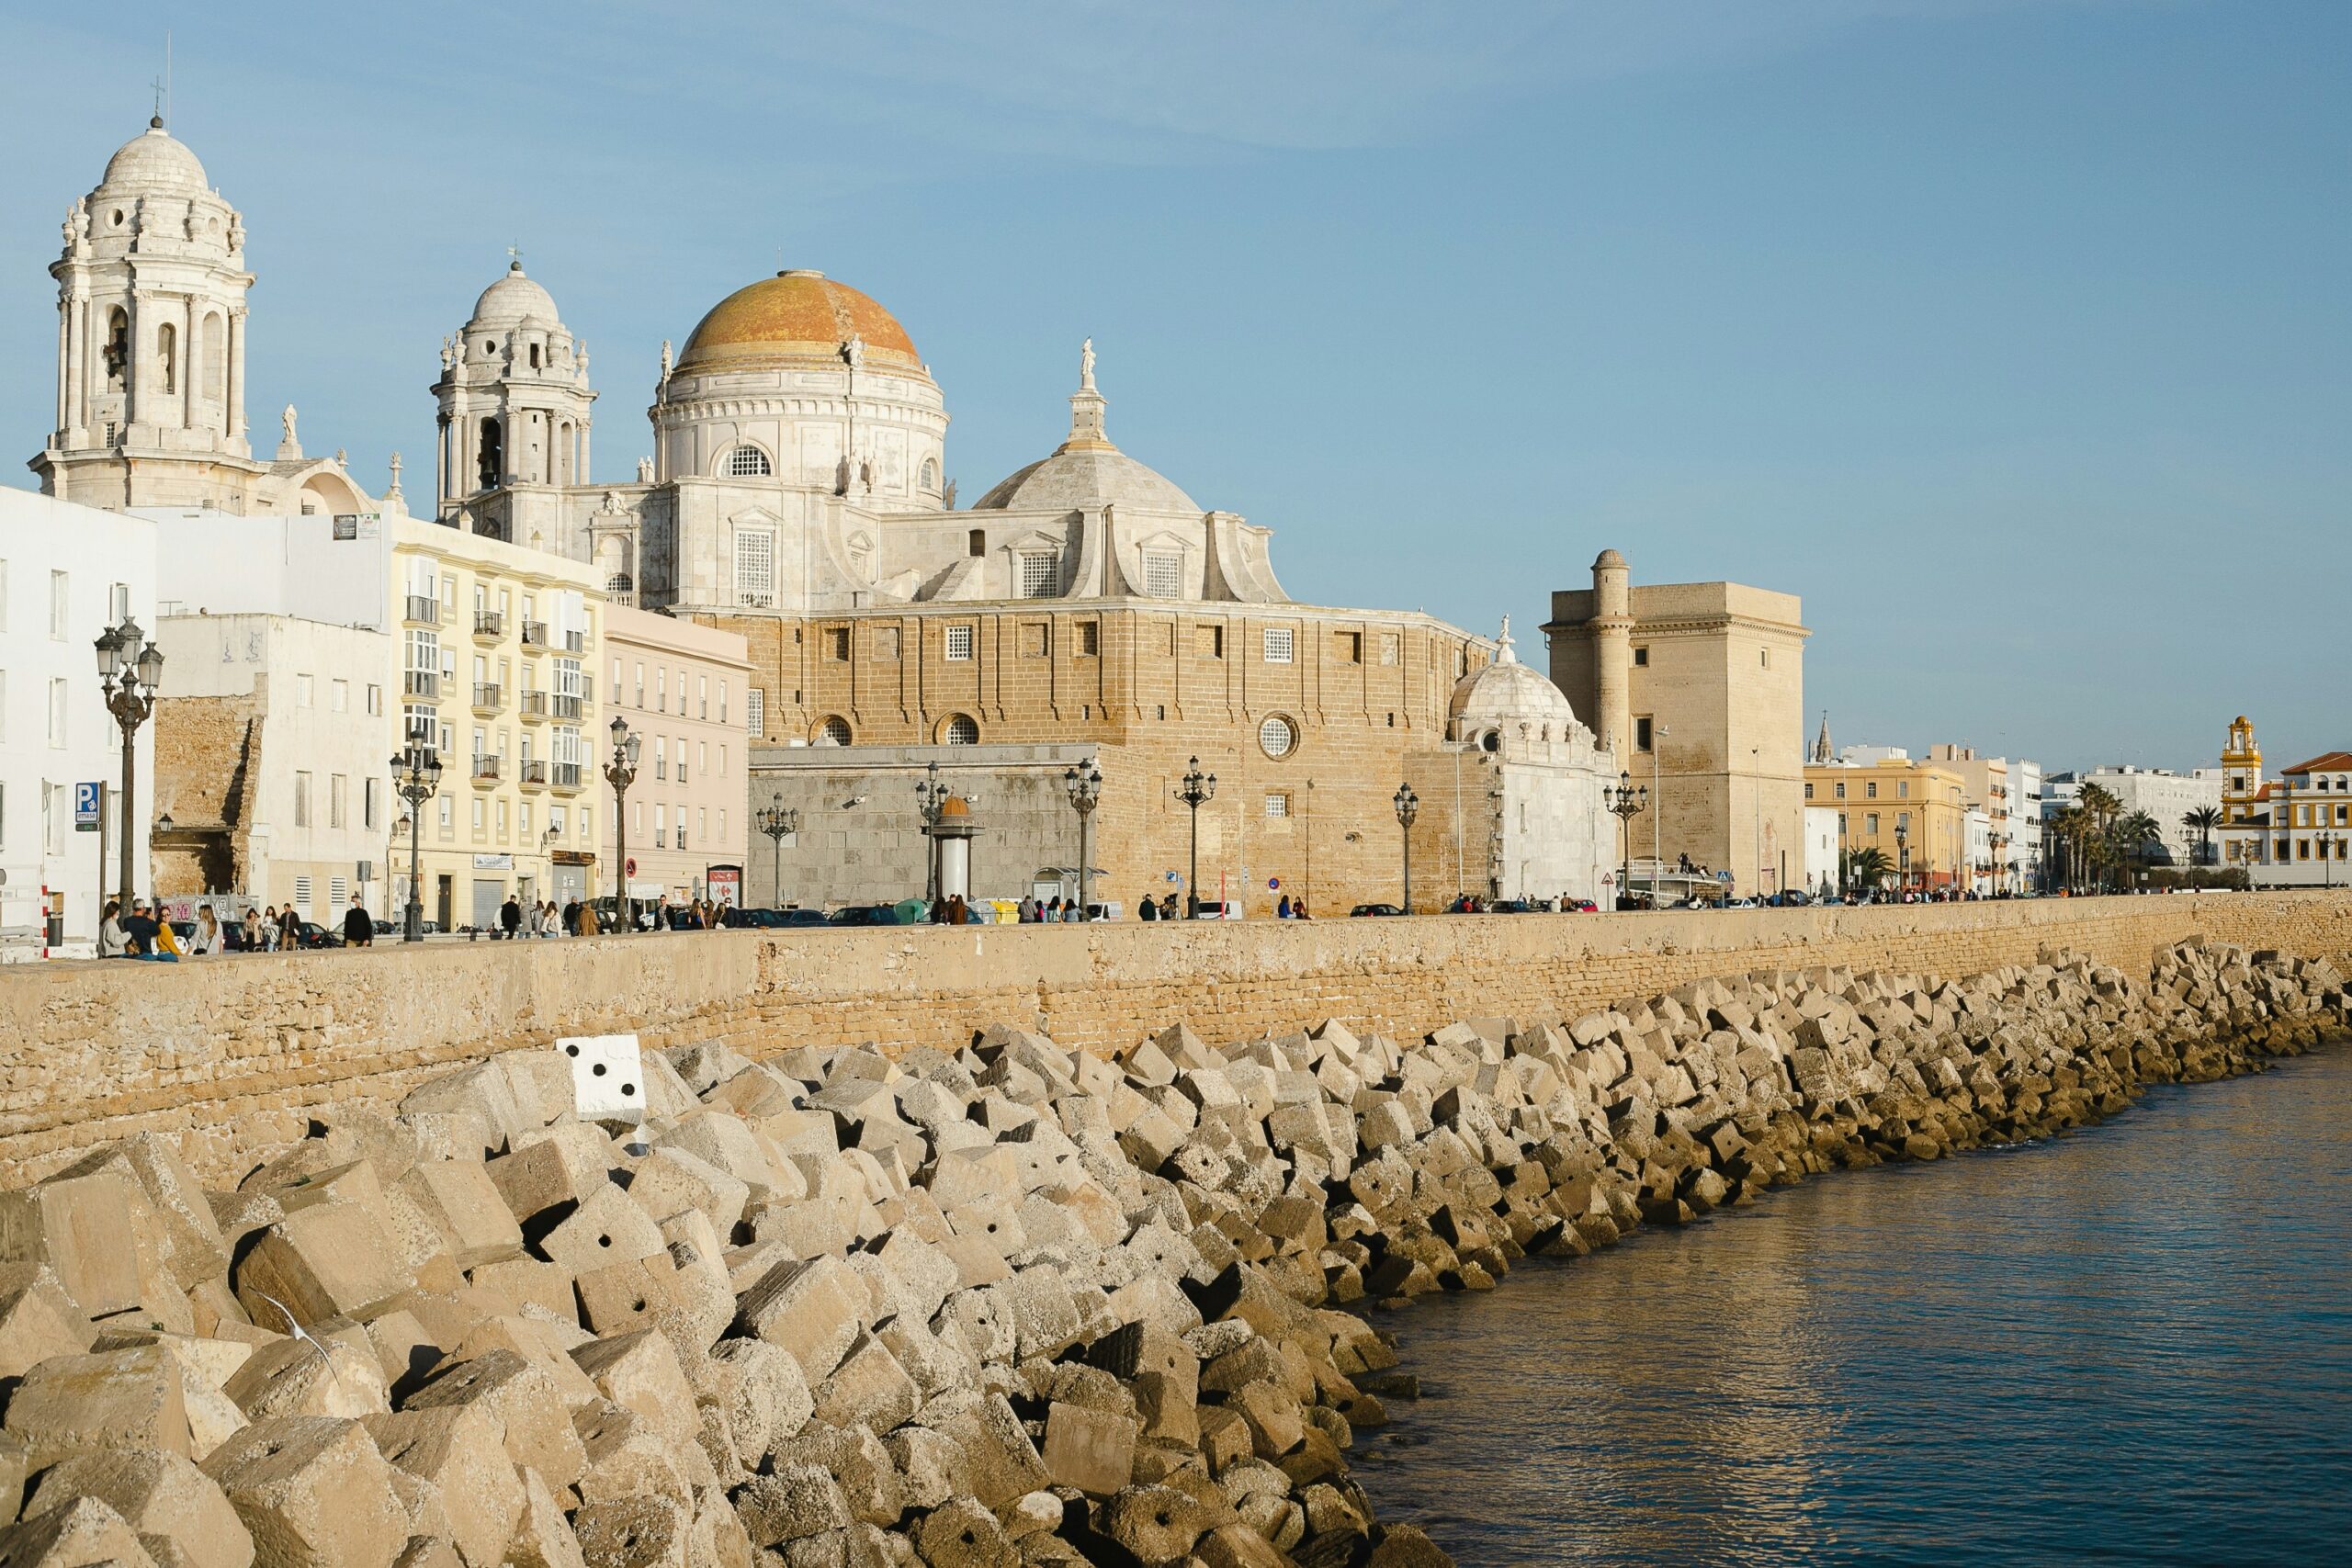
(1506, 692)
(1085, 480)
(512, 300)
(153, 160)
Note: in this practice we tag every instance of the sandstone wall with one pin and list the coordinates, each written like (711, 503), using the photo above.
(232, 1054)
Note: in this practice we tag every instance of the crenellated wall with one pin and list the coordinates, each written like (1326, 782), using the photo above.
(233, 1055)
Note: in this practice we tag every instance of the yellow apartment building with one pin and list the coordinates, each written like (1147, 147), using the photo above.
(1914, 812)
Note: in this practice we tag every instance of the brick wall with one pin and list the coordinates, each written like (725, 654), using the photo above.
(233, 1055)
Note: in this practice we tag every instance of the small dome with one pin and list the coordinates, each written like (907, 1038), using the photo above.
(794, 314)
(1507, 690)
(1084, 481)
(1608, 559)
(512, 300)
(153, 160)
(956, 806)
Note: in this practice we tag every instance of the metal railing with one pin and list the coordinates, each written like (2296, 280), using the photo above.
(485, 768)
(422, 610)
(565, 775)
(534, 634)
(488, 623)
(421, 683)
(535, 771)
(487, 694)
(534, 705)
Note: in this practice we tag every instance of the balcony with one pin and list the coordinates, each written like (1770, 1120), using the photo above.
(534, 705)
(564, 776)
(488, 698)
(422, 611)
(535, 773)
(489, 625)
(576, 642)
(534, 634)
(421, 683)
(485, 770)
(569, 707)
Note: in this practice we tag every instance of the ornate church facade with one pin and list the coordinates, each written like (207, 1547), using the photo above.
(796, 494)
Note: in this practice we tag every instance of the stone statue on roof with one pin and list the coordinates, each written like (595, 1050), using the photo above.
(1086, 365)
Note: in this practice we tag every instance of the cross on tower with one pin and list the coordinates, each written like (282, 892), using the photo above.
(158, 84)
(514, 256)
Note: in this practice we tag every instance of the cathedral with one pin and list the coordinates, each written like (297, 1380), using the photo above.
(1084, 607)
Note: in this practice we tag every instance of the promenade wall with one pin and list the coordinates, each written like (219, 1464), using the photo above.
(233, 1055)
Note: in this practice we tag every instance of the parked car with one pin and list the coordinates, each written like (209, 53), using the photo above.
(313, 934)
(1376, 909)
(771, 920)
(864, 915)
(1579, 907)
(1212, 909)
(1515, 906)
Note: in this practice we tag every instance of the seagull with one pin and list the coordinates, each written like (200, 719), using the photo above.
(304, 1337)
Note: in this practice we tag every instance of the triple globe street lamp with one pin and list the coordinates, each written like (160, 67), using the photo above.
(416, 778)
(621, 773)
(1195, 789)
(1409, 805)
(1627, 800)
(129, 674)
(1084, 784)
(779, 822)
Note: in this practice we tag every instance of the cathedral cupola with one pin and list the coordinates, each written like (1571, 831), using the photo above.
(514, 396)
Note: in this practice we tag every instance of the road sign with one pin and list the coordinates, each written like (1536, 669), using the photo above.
(1609, 879)
(629, 866)
(1274, 882)
(1723, 876)
(85, 807)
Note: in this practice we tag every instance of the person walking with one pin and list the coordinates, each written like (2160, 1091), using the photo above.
(509, 917)
(571, 917)
(588, 926)
(1149, 910)
(252, 924)
(290, 928)
(358, 925)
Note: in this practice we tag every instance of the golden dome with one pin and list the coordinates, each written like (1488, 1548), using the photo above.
(794, 314)
(956, 806)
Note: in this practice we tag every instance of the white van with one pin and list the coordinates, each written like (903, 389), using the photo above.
(1210, 910)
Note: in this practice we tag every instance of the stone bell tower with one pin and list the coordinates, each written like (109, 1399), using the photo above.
(150, 339)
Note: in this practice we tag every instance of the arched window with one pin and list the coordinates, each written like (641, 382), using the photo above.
(834, 731)
(118, 349)
(619, 582)
(747, 463)
(1277, 737)
(535, 356)
(168, 349)
(962, 730)
(494, 454)
(216, 357)
(930, 474)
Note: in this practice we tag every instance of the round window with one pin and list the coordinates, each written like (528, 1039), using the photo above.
(1277, 735)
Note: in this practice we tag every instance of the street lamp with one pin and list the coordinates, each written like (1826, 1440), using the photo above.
(1085, 787)
(2326, 847)
(931, 796)
(1902, 857)
(779, 822)
(416, 778)
(1625, 802)
(1196, 789)
(1409, 805)
(129, 676)
(621, 773)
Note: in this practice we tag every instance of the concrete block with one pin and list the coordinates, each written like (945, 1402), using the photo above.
(309, 1377)
(545, 1343)
(313, 1492)
(466, 1208)
(608, 1081)
(1000, 1462)
(1093, 1451)
(326, 1261)
(180, 1514)
(565, 1164)
(606, 1228)
(194, 1248)
(543, 1538)
(628, 1458)
(639, 1372)
(759, 1393)
(514, 1283)
(458, 1449)
(813, 1310)
(633, 1532)
(534, 1419)
(798, 1502)
(671, 1180)
(37, 1319)
(868, 1389)
(83, 1533)
(728, 1143)
(91, 1231)
(117, 1399)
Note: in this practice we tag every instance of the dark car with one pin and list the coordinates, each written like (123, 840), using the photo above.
(1515, 906)
(864, 915)
(309, 933)
(1376, 909)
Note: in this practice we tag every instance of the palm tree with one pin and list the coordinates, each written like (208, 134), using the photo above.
(2132, 840)
(1866, 868)
(2202, 821)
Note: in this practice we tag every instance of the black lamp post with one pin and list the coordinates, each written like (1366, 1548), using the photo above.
(1085, 786)
(930, 797)
(1409, 805)
(1625, 802)
(779, 822)
(2326, 847)
(416, 777)
(621, 773)
(1902, 858)
(129, 675)
(1195, 790)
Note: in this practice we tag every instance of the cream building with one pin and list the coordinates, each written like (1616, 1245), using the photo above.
(271, 744)
(680, 687)
(496, 644)
(1913, 812)
(1700, 687)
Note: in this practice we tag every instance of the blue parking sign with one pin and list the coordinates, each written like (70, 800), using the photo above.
(85, 807)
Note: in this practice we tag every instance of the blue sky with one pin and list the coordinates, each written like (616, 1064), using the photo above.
(2013, 334)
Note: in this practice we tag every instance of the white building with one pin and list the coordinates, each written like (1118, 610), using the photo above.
(67, 573)
(274, 785)
(1823, 876)
(2164, 795)
(1979, 862)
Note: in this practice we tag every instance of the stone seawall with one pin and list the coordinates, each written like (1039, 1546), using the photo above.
(233, 1056)
(1014, 1304)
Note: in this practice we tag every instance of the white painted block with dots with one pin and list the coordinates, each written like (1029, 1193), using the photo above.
(607, 1078)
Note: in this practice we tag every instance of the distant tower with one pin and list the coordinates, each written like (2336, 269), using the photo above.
(513, 399)
(2241, 771)
(1821, 755)
(1612, 638)
(150, 339)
